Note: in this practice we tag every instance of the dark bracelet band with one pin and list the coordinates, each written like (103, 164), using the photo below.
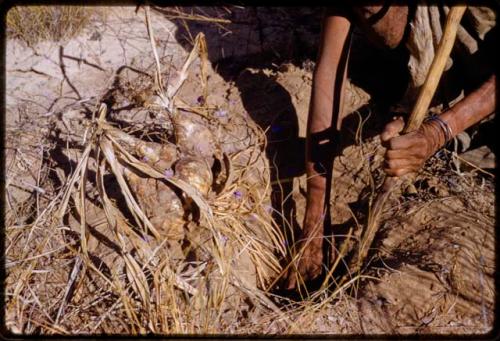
(448, 134)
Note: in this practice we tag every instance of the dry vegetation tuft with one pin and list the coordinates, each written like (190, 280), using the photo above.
(166, 236)
(33, 24)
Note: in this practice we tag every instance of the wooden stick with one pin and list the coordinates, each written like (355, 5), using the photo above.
(416, 118)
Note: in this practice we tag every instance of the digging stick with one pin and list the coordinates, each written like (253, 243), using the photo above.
(415, 120)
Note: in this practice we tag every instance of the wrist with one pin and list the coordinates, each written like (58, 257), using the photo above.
(439, 132)
(313, 224)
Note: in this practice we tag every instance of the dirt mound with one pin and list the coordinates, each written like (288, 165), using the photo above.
(152, 210)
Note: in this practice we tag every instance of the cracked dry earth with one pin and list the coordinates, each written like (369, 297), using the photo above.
(433, 264)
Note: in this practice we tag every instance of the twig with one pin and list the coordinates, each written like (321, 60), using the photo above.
(27, 187)
(193, 17)
(14, 263)
(84, 61)
(38, 182)
(63, 71)
(158, 79)
(69, 288)
(473, 165)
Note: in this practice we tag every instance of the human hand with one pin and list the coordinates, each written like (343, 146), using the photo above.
(308, 255)
(407, 153)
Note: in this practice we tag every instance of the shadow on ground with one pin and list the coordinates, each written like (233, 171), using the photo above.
(265, 38)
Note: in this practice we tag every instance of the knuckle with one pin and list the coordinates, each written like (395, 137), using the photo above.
(392, 143)
(389, 171)
(421, 153)
(385, 136)
(392, 126)
(392, 164)
(400, 172)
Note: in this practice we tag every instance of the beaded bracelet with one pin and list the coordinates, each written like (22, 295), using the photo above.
(448, 134)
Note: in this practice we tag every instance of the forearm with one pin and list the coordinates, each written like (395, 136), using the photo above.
(408, 152)
(319, 140)
(331, 64)
(472, 108)
(331, 61)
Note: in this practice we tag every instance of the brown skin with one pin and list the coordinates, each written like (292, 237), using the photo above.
(404, 154)
(407, 153)
(335, 33)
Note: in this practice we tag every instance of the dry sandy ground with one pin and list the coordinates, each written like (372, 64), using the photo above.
(433, 263)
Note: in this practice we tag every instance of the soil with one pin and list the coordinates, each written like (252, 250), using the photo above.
(432, 266)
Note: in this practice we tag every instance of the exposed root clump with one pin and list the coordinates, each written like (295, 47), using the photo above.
(152, 235)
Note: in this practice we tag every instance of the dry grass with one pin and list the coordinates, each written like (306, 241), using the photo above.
(90, 263)
(33, 24)
(87, 264)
